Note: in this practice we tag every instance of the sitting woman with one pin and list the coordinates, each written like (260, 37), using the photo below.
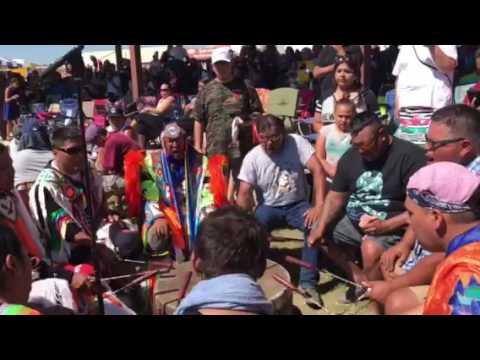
(151, 120)
(335, 139)
(15, 275)
(348, 86)
(230, 254)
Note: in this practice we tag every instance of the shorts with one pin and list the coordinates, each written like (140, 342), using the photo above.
(420, 292)
(346, 233)
(10, 113)
(417, 254)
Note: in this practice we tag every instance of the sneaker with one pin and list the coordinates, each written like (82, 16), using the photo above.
(312, 298)
(353, 295)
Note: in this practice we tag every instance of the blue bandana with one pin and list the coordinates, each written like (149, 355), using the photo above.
(426, 199)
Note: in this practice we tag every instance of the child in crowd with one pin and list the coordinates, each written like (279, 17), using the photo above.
(335, 139)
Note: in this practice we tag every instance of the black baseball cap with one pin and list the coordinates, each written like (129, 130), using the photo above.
(115, 112)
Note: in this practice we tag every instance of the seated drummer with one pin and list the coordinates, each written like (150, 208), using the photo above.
(367, 196)
(59, 203)
(171, 214)
(230, 254)
(16, 280)
(15, 275)
(276, 168)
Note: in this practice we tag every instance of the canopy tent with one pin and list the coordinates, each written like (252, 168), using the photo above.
(11, 63)
(146, 54)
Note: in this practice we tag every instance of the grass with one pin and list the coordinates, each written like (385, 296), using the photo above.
(290, 242)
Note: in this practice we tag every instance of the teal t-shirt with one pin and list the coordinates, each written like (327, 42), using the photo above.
(336, 142)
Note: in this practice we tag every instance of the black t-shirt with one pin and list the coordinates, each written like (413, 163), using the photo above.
(326, 57)
(378, 188)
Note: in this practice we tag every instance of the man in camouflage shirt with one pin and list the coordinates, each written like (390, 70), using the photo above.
(217, 106)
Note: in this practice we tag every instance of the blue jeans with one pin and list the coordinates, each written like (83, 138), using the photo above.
(292, 215)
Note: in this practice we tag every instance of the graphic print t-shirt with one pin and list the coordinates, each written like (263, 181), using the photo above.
(280, 177)
(378, 188)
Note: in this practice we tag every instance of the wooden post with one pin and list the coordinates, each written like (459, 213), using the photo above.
(366, 49)
(136, 71)
(118, 54)
(3, 85)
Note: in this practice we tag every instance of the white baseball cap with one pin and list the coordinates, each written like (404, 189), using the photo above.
(221, 54)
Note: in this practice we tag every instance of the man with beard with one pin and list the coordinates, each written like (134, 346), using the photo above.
(276, 168)
(369, 187)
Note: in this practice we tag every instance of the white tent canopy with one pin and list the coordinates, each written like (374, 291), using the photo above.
(11, 62)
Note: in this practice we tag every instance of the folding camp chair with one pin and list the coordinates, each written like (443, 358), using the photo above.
(283, 103)
(461, 91)
(304, 120)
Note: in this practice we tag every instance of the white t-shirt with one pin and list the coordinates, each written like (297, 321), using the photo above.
(29, 163)
(280, 177)
(419, 85)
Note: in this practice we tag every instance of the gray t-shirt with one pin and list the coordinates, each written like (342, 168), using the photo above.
(28, 164)
(281, 177)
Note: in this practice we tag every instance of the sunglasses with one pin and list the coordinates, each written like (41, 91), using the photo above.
(342, 59)
(71, 151)
(164, 89)
(434, 145)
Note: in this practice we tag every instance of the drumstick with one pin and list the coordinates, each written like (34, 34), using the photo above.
(304, 264)
(156, 263)
(292, 287)
(125, 276)
(288, 285)
(183, 290)
(138, 280)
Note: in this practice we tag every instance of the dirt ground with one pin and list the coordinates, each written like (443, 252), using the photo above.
(290, 242)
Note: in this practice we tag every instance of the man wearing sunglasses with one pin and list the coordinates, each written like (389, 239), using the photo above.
(369, 187)
(59, 203)
(453, 136)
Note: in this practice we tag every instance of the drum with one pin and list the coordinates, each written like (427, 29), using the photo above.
(168, 286)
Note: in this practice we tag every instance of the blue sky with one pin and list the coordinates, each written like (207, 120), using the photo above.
(44, 54)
